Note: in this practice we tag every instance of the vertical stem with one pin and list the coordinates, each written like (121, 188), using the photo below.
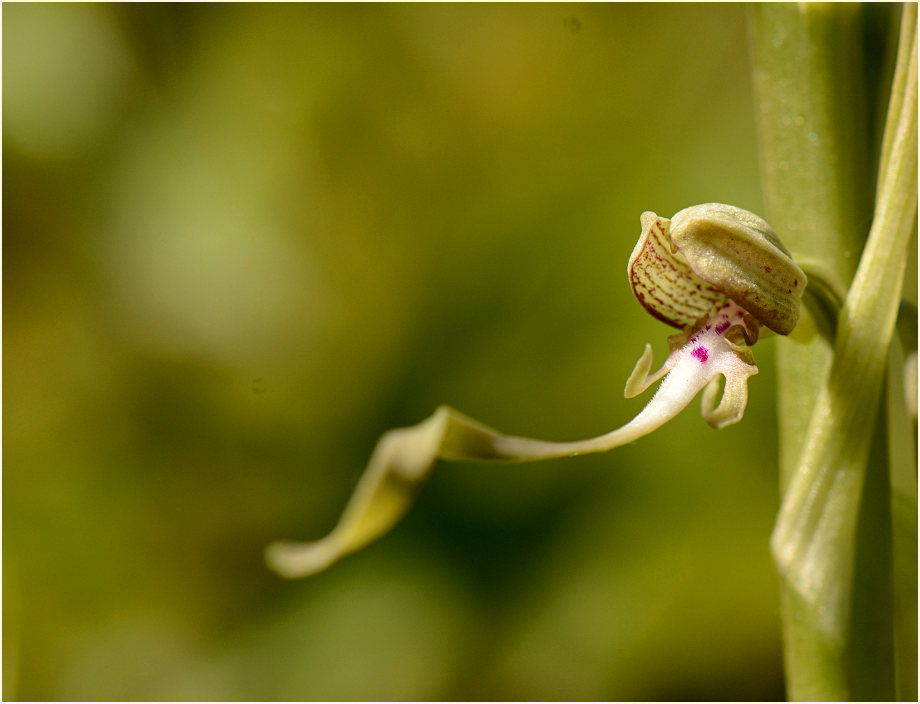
(903, 478)
(814, 148)
(814, 199)
(814, 124)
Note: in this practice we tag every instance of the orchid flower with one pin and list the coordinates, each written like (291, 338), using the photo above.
(703, 271)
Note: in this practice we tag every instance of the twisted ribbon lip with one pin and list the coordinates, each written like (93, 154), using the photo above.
(403, 458)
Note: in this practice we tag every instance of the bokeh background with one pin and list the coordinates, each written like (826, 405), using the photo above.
(241, 241)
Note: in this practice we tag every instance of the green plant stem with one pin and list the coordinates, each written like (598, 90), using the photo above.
(903, 479)
(815, 146)
(813, 201)
(809, 118)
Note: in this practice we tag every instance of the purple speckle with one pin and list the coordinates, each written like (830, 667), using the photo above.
(722, 327)
(701, 353)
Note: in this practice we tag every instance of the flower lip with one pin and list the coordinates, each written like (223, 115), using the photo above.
(403, 458)
(701, 353)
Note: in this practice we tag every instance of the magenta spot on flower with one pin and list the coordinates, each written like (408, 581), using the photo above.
(722, 327)
(701, 353)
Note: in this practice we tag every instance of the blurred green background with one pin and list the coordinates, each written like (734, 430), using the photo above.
(241, 241)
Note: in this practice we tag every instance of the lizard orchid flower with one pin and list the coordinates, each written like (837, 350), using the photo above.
(715, 271)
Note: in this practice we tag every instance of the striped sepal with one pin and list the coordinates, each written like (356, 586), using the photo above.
(662, 280)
